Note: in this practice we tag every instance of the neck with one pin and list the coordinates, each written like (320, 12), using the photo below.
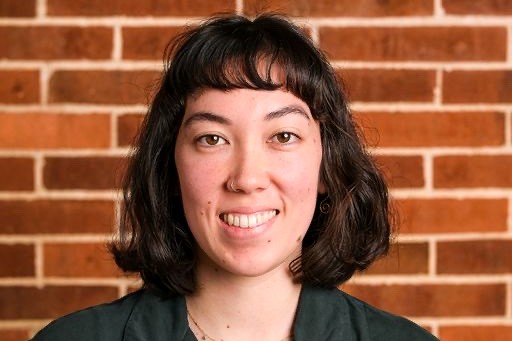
(230, 307)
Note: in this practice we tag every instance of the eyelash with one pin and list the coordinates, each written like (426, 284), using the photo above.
(218, 140)
(203, 140)
(292, 137)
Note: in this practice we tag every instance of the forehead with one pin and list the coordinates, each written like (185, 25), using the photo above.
(243, 101)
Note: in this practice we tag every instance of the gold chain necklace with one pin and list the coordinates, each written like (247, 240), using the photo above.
(208, 337)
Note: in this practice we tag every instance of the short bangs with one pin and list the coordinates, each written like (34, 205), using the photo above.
(234, 52)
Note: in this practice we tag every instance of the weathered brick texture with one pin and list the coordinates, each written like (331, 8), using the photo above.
(342, 8)
(78, 260)
(434, 129)
(439, 300)
(16, 174)
(54, 42)
(17, 9)
(19, 86)
(415, 43)
(476, 333)
(430, 82)
(54, 131)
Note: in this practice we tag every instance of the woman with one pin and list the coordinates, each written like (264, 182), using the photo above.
(249, 199)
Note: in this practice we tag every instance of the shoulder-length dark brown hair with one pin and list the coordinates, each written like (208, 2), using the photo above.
(226, 52)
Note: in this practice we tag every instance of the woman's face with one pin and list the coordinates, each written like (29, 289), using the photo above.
(248, 163)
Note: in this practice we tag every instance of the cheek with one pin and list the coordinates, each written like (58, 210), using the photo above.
(199, 181)
(195, 178)
(300, 176)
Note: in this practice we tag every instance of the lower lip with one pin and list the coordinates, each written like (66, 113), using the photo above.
(246, 233)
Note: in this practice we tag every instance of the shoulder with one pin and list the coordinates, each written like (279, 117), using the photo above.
(353, 316)
(102, 322)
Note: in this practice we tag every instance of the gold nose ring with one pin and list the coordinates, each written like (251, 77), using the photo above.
(232, 186)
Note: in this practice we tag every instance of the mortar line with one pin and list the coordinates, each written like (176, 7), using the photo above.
(239, 7)
(439, 11)
(509, 45)
(432, 258)
(438, 89)
(340, 21)
(44, 84)
(117, 43)
(39, 163)
(39, 264)
(41, 9)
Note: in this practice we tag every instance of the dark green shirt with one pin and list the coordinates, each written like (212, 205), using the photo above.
(322, 315)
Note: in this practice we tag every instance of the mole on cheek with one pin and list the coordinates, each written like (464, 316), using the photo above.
(209, 202)
(268, 241)
(299, 239)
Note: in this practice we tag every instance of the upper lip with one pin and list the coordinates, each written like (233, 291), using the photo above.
(248, 210)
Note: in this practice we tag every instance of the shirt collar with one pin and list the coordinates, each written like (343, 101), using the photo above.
(321, 315)
(158, 319)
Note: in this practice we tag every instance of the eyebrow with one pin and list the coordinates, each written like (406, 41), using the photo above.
(206, 116)
(210, 117)
(290, 109)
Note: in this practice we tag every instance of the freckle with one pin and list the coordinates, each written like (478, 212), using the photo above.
(227, 326)
(209, 202)
(268, 241)
(299, 239)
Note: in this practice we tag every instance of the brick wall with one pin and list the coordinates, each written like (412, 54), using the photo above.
(430, 81)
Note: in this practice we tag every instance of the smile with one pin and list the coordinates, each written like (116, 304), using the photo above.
(248, 220)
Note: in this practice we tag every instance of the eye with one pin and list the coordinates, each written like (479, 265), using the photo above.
(284, 137)
(211, 140)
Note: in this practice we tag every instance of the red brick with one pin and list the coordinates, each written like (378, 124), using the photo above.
(139, 8)
(480, 7)
(405, 258)
(474, 257)
(102, 87)
(14, 335)
(56, 216)
(83, 172)
(475, 171)
(19, 86)
(476, 333)
(380, 85)
(147, 42)
(55, 42)
(348, 8)
(435, 300)
(128, 128)
(78, 260)
(415, 43)
(51, 301)
(452, 215)
(489, 86)
(434, 129)
(16, 174)
(17, 260)
(41, 131)
(17, 8)
(402, 171)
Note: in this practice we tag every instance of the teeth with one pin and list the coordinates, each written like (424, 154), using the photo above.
(248, 220)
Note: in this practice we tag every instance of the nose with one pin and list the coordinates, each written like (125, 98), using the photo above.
(249, 171)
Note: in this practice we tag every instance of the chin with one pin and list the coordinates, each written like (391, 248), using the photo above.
(256, 269)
